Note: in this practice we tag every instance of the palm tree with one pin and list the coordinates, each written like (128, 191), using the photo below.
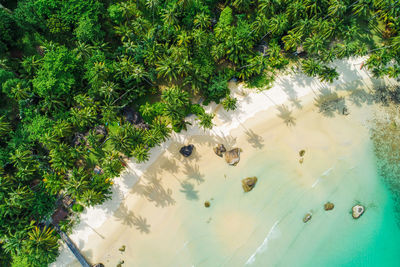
(141, 153)
(167, 68)
(62, 129)
(229, 103)
(121, 141)
(41, 246)
(5, 126)
(202, 20)
(314, 44)
(77, 183)
(206, 120)
(161, 128)
(311, 67)
(61, 158)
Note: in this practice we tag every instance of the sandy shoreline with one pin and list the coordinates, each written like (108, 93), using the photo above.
(134, 204)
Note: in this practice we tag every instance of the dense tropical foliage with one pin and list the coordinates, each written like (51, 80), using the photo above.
(85, 83)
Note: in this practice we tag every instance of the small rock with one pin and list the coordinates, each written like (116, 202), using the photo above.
(249, 183)
(207, 204)
(122, 249)
(329, 206)
(307, 217)
(186, 151)
(232, 157)
(98, 265)
(219, 150)
(302, 152)
(120, 263)
(301, 160)
(358, 210)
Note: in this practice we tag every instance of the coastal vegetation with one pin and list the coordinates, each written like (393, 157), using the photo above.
(86, 84)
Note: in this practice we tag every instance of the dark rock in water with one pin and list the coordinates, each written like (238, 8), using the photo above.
(79, 139)
(249, 183)
(329, 206)
(219, 150)
(186, 150)
(98, 265)
(122, 249)
(301, 160)
(120, 263)
(207, 204)
(307, 217)
(232, 157)
(302, 152)
(358, 210)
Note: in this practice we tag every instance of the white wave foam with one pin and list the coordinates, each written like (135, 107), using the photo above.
(263, 246)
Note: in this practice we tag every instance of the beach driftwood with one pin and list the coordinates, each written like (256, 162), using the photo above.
(358, 210)
(186, 151)
(307, 217)
(220, 150)
(249, 183)
(232, 157)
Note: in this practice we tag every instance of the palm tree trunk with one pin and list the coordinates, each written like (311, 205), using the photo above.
(72, 247)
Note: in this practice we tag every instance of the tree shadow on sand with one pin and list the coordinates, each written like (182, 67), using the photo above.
(193, 172)
(330, 103)
(154, 191)
(286, 115)
(127, 217)
(254, 139)
(188, 190)
(141, 224)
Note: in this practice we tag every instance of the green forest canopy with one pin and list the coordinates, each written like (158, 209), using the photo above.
(84, 83)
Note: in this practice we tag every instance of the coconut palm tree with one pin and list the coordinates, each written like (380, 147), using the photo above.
(5, 126)
(229, 103)
(206, 120)
(141, 153)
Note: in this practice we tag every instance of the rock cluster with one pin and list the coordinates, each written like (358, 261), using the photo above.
(219, 150)
(232, 157)
(186, 151)
(329, 206)
(358, 210)
(249, 183)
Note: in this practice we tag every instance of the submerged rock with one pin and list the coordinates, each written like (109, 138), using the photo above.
(301, 160)
(329, 206)
(307, 217)
(186, 150)
(302, 152)
(358, 210)
(249, 183)
(122, 249)
(98, 265)
(207, 204)
(232, 157)
(219, 150)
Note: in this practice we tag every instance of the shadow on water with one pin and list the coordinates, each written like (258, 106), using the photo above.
(193, 173)
(188, 189)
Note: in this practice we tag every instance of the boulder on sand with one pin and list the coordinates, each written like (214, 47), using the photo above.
(219, 150)
(232, 156)
(207, 204)
(186, 150)
(307, 217)
(329, 206)
(358, 210)
(302, 152)
(249, 183)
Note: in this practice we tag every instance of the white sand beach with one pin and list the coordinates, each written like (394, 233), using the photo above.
(157, 208)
